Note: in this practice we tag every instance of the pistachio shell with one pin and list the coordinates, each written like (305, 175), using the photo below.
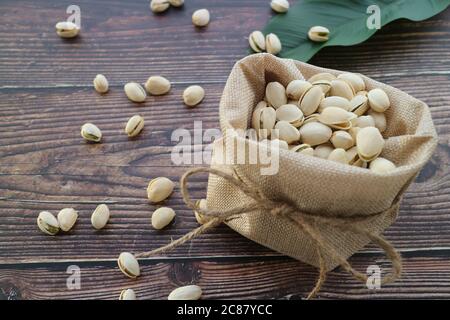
(311, 100)
(364, 121)
(91, 132)
(127, 294)
(280, 6)
(67, 218)
(100, 216)
(315, 133)
(134, 125)
(342, 89)
(128, 265)
(323, 150)
(358, 162)
(352, 154)
(273, 44)
(176, 3)
(67, 29)
(276, 94)
(303, 149)
(191, 292)
(287, 132)
(157, 85)
(159, 189)
(290, 113)
(379, 119)
(275, 143)
(201, 218)
(338, 155)
(318, 34)
(378, 100)
(158, 6)
(342, 139)
(334, 101)
(359, 105)
(256, 116)
(297, 88)
(201, 17)
(353, 132)
(135, 92)
(257, 41)
(370, 143)
(47, 223)
(381, 166)
(193, 95)
(161, 217)
(334, 116)
(101, 83)
(322, 76)
(325, 85)
(311, 118)
(267, 118)
(354, 80)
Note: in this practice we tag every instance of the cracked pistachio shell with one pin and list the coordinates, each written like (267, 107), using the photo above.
(176, 3)
(296, 88)
(319, 34)
(127, 294)
(378, 100)
(91, 132)
(323, 150)
(354, 80)
(359, 105)
(134, 125)
(101, 83)
(135, 92)
(290, 113)
(47, 223)
(338, 155)
(191, 292)
(157, 85)
(315, 133)
(158, 6)
(363, 121)
(379, 118)
(322, 76)
(303, 149)
(67, 218)
(352, 154)
(342, 89)
(129, 265)
(257, 41)
(161, 217)
(257, 114)
(334, 115)
(280, 6)
(193, 95)
(325, 85)
(201, 218)
(159, 189)
(273, 44)
(381, 166)
(265, 118)
(67, 29)
(370, 143)
(200, 18)
(276, 94)
(311, 100)
(286, 132)
(100, 216)
(311, 118)
(342, 139)
(334, 101)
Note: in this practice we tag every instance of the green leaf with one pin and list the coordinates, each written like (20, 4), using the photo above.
(346, 20)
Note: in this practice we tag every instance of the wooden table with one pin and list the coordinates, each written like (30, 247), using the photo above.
(46, 94)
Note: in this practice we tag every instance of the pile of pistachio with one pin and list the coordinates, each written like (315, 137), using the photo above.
(329, 117)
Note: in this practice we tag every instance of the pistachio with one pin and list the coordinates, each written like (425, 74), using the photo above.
(201, 218)
(303, 149)
(359, 105)
(378, 100)
(353, 132)
(318, 34)
(311, 100)
(276, 94)
(362, 93)
(290, 113)
(134, 125)
(338, 155)
(159, 189)
(265, 119)
(358, 162)
(315, 133)
(158, 6)
(157, 85)
(352, 155)
(273, 44)
(334, 101)
(257, 41)
(90, 132)
(311, 118)
(280, 6)
(67, 29)
(47, 223)
(336, 118)
(323, 150)
(342, 89)
(364, 121)
(176, 3)
(257, 114)
(286, 132)
(381, 166)
(296, 88)
(161, 217)
(325, 85)
(101, 83)
(100, 216)
(380, 120)
(191, 292)
(127, 294)
(322, 76)
(129, 265)
(193, 95)
(200, 18)
(354, 80)
(135, 92)
(342, 139)
(67, 218)
(370, 143)
(276, 143)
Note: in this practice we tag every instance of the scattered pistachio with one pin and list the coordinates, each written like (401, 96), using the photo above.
(90, 132)
(127, 294)
(129, 265)
(159, 189)
(161, 217)
(67, 29)
(100, 216)
(257, 41)
(318, 34)
(280, 6)
(200, 18)
(273, 44)
(47, 223)
(157, 85)
(67, 218)
(193, 95)
(158, 6)
(135, 92)
(101, 83)
(191, 292)
(176, 3)
(134, 125)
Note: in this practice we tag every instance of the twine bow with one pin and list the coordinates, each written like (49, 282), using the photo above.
(304, 221)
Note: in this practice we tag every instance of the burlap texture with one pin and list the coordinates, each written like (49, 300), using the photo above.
(316, 185)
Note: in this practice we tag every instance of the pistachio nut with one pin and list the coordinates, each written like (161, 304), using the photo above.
(311, 118)
(201, 218)
(176, 3)
(257, 41)
(135, 92)
(359, 105)
(296, 88)
(67, 29)
(275, 143)
(193, 95)
(90, 132)
(67, 218)
(336, 118)
(364, 121)
(352, 154)
(101, 83)
(276, 94)
(47, 223)
(379, 118)
(161, 217)
(342, 139)
(338, 155)
(311, 100)
(134, 125)
(334, 101)
(318, 34)
(378, 100)
(290, 113)
(280, 6)
(129, 265)
(159, 189)
(342, 89)
(353, 131)
(370, 143)
(265, 118)
(157, 85)
(354, 80)
(158, 6)
(381, 166)
(303, 149)
(315, 133)
(273, 44)
(286, 132)
(322, 76)
(191, 292)
(323, 150)
(200, 18)
(325, 85)
(257, 114)
(100, 216)
(127, 294)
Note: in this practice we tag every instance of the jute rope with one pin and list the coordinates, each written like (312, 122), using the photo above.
(305, 221)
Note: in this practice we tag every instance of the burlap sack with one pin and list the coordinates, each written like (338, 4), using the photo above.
(313, 184)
